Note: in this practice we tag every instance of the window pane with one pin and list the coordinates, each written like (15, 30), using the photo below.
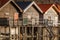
(4, 22)
(25, 21)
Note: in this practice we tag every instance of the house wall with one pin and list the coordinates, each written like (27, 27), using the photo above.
(9, 8)
(52, 15)
(31, 12)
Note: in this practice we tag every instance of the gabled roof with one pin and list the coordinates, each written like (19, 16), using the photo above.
(44, 7)
(57, 7)
(27, 4)
(2, 2)
(5, 2)
(23, 4)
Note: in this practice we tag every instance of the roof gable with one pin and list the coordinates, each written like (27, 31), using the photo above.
(7, 2)
(23, 5)
(27, 4)
(51, 10)
(57, 7)
(44, 7)
(54, 8)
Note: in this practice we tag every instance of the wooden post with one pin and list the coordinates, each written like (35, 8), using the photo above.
(18, 32)
(40, 33)
(9, 32)
(24, 34)
(32, 32)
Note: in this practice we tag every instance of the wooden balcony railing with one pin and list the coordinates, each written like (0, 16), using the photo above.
(20, 22)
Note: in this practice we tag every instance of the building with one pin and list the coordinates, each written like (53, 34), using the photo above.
(30, 20)
(19, 20)
(26, 20)
(8, 14)
(51, 15)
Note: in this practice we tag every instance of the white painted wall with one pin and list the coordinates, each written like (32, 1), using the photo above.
(53, 14)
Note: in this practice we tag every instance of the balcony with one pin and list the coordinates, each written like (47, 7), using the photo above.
(49, 23)
(41, 23)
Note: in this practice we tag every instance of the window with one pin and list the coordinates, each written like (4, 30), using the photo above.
(25, 20)
(4, 22)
